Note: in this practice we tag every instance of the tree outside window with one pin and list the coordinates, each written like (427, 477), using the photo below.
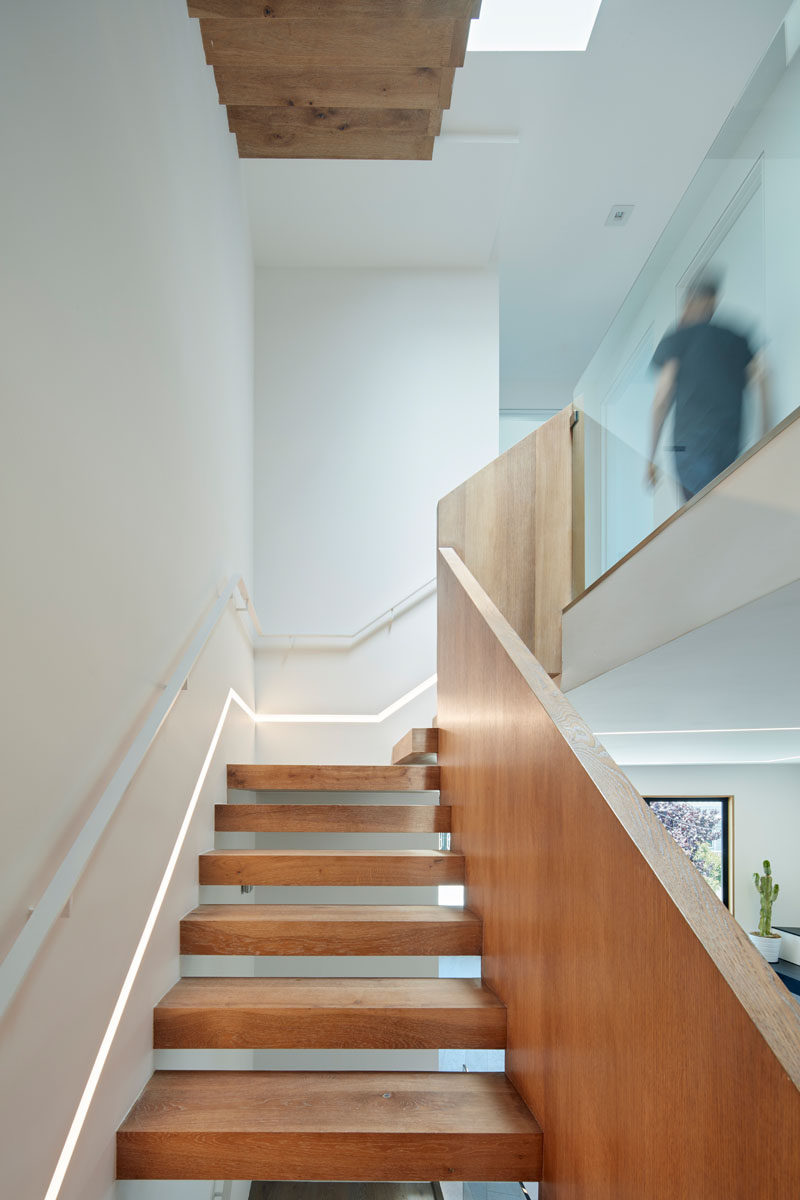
(700, 827)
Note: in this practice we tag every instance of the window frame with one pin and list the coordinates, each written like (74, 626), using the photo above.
(727, 837)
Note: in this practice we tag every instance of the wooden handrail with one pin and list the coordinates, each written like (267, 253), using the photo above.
(656, 1048)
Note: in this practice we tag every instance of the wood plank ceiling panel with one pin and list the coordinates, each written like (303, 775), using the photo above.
(345, 79)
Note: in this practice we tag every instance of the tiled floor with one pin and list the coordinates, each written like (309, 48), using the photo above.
(474, 1060)
(477, 1060)
(498, 1191)
(341, 1191)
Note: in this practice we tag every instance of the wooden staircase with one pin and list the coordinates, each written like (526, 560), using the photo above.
(331, 1125)
(347, 79)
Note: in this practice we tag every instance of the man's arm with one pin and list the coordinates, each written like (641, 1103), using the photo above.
(662, 403)
(758, 375)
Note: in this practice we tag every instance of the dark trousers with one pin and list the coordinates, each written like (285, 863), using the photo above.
(697, 467)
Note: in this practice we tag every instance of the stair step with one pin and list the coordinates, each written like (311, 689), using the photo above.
(329, 929)
(333, 818)
(341, 1125)
(349, 868)
(284, 1013)
(416, 745)
(284, 778)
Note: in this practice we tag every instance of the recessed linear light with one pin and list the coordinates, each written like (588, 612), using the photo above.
(84, 1104)
(534, 25)
(345, 718)
(87, 1096)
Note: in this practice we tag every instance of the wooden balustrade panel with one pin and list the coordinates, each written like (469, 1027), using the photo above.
(512, 525)
(657, 1050)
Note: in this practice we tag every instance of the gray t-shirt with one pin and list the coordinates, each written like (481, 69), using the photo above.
(709, 388)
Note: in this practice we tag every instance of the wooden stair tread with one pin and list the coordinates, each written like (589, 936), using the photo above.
(356, 41)
(313, 778)
(307, 9)
(332, 818)
(416, 745)
(334, 914)
(329, 929)
(331, 1125)
(343, 86)
(330, 1013)
(328, 992)
(293, 868)
(386, 66)
(330, 1101)
(371, 145)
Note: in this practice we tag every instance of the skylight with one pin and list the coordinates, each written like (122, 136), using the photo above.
(534, 25)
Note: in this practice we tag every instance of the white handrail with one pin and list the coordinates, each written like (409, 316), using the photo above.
(248, 607)
(385, 618)
(56, 896)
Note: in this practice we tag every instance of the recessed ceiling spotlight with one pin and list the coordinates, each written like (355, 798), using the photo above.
(533, 25)
(620, 214)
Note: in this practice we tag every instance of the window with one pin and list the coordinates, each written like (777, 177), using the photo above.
(700, 826)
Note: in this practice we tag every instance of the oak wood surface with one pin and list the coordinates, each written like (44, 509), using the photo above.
(259, 121)
(328, 1125)
(329, 1013)
(329, 929)
(388, 63)
(364, 144)
(656, 1047)
(286, 778)
(292, 10)
(360, 43)
(578, 503)
(332, 818)
(344, 87)
(511, 523)
(552, 536)
(330, 868)
(458, 48)
(415, 744)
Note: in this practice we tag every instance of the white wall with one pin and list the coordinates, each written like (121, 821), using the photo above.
(766, 824)
(56, 1023)
(362, 680)
(126, 377)
(515, 424)
(126, 480)
(376, 393)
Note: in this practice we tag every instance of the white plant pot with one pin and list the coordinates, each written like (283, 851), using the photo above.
(770, 947)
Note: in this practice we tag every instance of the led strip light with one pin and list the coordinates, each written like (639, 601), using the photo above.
(233, 697)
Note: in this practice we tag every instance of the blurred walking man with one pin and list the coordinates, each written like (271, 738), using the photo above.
(704, 369)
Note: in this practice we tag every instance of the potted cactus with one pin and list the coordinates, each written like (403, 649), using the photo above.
(768, 942)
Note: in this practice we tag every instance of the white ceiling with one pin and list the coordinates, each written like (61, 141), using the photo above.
(740, 673)
(380, 214)
(628, 122)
